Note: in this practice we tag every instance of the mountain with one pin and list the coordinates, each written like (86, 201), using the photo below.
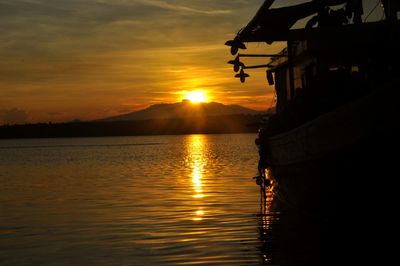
(184, 109)
(159, 119)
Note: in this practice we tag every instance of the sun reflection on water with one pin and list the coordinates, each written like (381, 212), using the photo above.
(197, 160)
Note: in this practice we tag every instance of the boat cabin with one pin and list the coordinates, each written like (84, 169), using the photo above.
(326, 66)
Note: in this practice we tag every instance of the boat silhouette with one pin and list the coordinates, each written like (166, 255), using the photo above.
(334, 133)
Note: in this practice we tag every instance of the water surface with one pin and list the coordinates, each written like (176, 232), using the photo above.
(158, 200)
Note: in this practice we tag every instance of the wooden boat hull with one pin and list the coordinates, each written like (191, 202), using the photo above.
(334, 162)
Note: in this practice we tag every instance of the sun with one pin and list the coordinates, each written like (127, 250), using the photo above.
(196, 96)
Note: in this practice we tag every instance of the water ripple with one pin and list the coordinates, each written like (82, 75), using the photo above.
(160, 200)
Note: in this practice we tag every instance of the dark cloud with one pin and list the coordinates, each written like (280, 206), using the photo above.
(13, 116)
(64, 26)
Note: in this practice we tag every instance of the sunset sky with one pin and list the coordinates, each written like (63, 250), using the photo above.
(86, 59)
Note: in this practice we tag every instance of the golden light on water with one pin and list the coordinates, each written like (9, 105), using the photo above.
(197, 162)
(200, 212)
(196, 179)
(198, 216)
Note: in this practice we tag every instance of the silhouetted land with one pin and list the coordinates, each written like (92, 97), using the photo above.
(184, 109)
(201, 125)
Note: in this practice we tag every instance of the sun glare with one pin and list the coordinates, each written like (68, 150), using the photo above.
(196, 96)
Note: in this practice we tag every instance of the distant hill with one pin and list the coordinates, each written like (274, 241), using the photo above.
(241, 123)
(184, 109)
(160, 119)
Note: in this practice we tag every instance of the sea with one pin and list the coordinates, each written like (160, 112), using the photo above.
(141, 200)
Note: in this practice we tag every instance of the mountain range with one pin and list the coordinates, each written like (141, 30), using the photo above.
(160, 119)
(184, 109)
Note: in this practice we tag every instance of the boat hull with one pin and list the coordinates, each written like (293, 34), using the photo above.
(336, 162)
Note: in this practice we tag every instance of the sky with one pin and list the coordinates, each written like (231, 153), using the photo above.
(63, 60)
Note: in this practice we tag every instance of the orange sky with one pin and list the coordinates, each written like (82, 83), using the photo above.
(76, 59)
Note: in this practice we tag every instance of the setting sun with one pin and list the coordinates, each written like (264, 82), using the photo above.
(196, 96)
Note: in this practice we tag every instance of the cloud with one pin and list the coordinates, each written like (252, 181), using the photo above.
(57, 53)
(13, 116)
(182, 8)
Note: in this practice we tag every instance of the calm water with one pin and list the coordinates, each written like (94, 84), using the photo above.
(159, 200)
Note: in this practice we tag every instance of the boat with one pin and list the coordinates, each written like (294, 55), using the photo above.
(331, 144)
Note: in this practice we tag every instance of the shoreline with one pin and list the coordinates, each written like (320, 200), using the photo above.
(230, 124)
